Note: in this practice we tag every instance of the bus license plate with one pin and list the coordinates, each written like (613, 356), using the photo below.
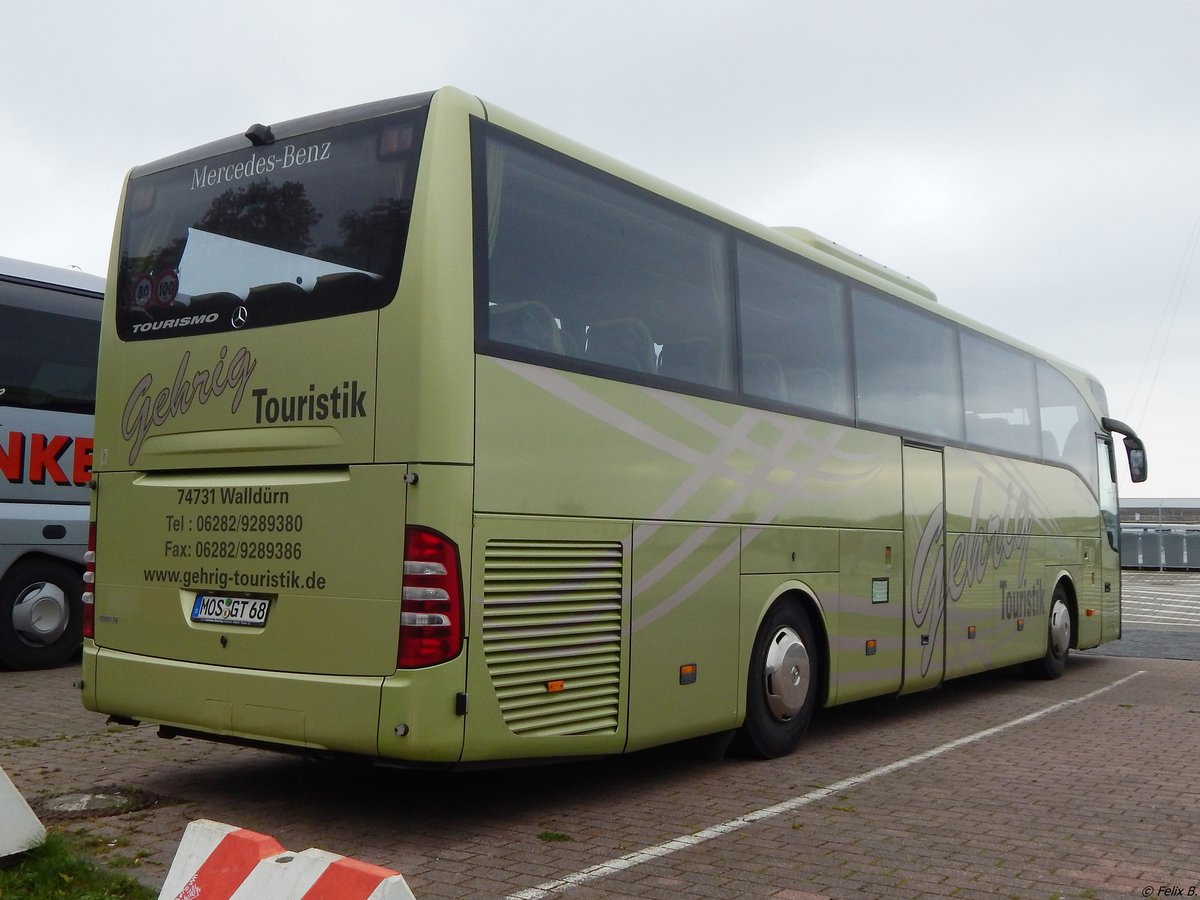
(230, 610)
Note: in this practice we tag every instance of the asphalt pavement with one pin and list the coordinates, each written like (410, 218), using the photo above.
(992, 786)
(1160, 616)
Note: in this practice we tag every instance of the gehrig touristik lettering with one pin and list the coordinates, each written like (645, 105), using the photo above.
(145, 411)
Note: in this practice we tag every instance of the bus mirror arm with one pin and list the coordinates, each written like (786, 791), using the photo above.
(1134, 448)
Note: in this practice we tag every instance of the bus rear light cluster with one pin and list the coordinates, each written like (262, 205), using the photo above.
(431, 610)
(89, 584)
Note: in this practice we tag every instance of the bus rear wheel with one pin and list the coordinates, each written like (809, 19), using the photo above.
(1058, 638)
(781, 690)
(40, 614)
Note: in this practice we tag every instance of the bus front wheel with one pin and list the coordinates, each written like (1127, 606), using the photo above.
(781, 691)
(1058, 638)
(40, 614)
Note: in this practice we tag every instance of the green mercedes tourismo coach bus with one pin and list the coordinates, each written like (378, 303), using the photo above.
(429, 435)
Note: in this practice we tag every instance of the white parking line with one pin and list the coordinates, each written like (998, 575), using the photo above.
(620, 864)
(1154, 596)
(1192, 612)
(1177, 621)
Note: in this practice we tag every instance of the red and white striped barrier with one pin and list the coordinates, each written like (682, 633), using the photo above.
(221, 862)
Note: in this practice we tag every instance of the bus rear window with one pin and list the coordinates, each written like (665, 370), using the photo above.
(303, 228)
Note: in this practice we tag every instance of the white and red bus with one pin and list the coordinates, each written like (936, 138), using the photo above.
(49, 336)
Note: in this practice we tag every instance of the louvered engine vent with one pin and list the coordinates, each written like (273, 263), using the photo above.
(552, 634)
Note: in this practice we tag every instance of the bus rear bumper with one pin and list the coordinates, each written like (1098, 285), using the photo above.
(329, 713)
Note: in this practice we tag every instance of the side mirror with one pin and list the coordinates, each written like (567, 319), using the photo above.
(1138, 466)
(1135, 450)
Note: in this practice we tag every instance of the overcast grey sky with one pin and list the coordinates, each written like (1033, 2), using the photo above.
(1035, 162)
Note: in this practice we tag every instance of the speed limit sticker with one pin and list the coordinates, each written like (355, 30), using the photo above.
(143, 289)
(166, 287)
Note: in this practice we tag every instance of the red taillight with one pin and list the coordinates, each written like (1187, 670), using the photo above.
(431, 606)
(89, 585)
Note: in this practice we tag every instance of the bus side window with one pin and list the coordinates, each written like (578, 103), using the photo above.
(1000, 396)
(907, 361)
(624, 272)
(625, 343)
(1050, 449)
(696, 361)
(1069, 421)
(1109, 505)
(525, 324)
(762, 376)
(795, 346)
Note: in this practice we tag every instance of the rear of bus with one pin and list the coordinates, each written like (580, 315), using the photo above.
(283, 444)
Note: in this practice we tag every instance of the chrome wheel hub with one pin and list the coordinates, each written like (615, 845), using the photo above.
(40, 614)
(1060, 628)
(787, 674)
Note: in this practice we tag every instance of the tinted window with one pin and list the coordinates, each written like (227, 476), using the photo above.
(48, 349)
(303, 228)
(793, 323)
(1068, 426)
(1000, 396)
(577, 268)
(907, 367)
(576, 264)
(1110, 513)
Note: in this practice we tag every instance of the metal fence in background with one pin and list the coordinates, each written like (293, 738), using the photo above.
(1164, 549)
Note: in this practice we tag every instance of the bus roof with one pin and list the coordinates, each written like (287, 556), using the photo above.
(37, 273)
(798, 240)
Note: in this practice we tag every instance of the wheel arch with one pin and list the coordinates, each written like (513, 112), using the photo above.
(75, 564)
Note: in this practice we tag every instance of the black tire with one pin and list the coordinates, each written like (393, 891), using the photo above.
(41, 614)
(782, 683)
(1059, 634)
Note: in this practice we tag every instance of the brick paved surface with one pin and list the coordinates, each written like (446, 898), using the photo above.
(1098, 799)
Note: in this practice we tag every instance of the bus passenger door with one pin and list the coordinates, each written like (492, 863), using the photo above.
(924, 569)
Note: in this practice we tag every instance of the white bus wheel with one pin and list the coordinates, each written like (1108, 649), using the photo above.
(40, 614)
(1058, 638)
(782, 682)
